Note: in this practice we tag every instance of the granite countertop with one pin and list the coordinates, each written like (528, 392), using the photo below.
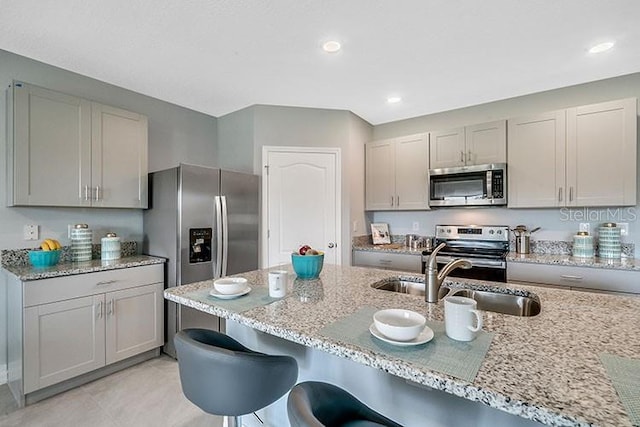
(544, 368)
(28, 272)
(393, 248)
(568, 260)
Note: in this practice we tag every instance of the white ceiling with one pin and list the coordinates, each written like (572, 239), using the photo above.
(218, 56)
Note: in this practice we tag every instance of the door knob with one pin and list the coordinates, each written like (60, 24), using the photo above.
(331, 245)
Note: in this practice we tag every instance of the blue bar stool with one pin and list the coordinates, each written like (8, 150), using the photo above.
(223, 377)
(316, 404)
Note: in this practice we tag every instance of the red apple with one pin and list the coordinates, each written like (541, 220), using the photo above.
(303, 249)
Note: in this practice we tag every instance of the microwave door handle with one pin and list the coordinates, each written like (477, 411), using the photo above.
(489, 185)
(225, 236)
(217, 272)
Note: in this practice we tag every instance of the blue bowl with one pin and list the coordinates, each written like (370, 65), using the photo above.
(307, 266)
(44, 258)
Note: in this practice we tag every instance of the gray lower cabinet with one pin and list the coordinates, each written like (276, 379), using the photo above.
(74, 325)
(388, 261)
(578, 278)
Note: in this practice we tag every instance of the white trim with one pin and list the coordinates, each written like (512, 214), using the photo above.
(266, 149)
(3, 375)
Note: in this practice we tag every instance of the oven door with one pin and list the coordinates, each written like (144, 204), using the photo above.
(494, 270)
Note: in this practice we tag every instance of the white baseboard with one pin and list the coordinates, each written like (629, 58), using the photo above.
(3, 375)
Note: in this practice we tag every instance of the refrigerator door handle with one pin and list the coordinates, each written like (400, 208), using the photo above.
(217, 271)
(225, 236)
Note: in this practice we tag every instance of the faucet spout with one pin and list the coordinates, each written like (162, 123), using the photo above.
(433, 279)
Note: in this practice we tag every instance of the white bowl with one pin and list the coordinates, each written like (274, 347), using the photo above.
(230, 285)
(398, 324)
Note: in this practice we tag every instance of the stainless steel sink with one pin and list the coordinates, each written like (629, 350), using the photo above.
(525, 304)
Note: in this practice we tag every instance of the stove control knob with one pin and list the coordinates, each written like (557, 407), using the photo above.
(491, 231)
(499, 231)
(448, 230)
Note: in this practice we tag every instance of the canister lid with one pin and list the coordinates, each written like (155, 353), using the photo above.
(111, 235)
(582, 233)
(609, 224)
(81, 226)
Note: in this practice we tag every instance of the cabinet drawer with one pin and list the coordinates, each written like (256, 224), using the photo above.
(388, 261)
(61, 288)
(576, 277)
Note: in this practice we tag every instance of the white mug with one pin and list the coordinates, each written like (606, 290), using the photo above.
(458, 318)
(277, 284)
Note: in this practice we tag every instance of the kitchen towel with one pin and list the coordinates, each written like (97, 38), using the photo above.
(442, 354)
(624, 373)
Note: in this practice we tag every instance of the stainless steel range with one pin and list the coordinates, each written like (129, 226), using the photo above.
(484, 246)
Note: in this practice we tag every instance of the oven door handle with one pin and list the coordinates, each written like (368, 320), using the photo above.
(474, 261)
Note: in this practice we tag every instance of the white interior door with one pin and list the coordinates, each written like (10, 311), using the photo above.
(302, 202)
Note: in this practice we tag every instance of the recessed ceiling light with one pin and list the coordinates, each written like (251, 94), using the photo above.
(394, 99)
(331, 46)
(601, 47)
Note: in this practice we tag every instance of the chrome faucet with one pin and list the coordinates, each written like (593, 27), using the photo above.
(433, 280)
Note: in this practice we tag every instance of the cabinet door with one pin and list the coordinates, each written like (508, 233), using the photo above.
(536, 156)
(601, 154)
(447, 148)
(134, 321)
(412, 168)
(62, 340)
(119, 158)
(51, 148)
(380, 175)
(486, 143)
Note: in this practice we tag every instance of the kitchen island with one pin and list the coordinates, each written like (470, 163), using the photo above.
(544, 368)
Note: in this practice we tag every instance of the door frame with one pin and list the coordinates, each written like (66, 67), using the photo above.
(266, 150)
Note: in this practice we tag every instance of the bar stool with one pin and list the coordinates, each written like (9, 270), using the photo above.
(223, 377)
(316, 404)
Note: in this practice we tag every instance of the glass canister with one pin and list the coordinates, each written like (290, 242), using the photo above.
(609, 241)
(110, 247)
(81, 240)
(583, 245)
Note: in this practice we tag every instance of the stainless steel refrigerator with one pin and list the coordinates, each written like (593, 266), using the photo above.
(205, 222)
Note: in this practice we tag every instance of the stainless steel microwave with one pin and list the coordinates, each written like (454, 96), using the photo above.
(469, 185)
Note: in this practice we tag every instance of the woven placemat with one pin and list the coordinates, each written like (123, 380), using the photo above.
(442, 354)
(258, 297)
(624, 373)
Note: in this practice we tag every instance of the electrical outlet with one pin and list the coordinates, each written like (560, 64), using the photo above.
(624, 228)
(355, 226)
(30, 232)
(416, 226)
(585, 226)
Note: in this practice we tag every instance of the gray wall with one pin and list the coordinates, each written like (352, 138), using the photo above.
(176, 135)
(263, 125)
(555, 222)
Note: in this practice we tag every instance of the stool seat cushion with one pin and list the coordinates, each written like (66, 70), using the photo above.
(318, 404)
(223, 377)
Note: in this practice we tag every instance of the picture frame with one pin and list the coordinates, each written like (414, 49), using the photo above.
(380, 233)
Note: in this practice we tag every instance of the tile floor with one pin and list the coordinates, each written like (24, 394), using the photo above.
(148, 394)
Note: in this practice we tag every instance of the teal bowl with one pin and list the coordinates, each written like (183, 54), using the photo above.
(44, 258)
(307, 266)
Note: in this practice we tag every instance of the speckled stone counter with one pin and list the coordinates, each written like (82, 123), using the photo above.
(381, 248)
(544, 368)
(619, 264)
(27, 272)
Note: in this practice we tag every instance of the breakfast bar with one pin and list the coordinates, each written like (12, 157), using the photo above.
(545, 369)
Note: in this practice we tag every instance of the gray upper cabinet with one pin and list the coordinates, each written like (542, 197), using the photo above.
(470, 145)
(68, 151)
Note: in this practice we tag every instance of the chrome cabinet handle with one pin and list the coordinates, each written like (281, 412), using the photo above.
(469, 157)
(110, 308)
(86, 193)
(391, 200)
(398, 201)
(106, 282)
(461, 156)
(560, 194)
(571, 277)
(570, 194)
(99, 310)
(97, 193)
